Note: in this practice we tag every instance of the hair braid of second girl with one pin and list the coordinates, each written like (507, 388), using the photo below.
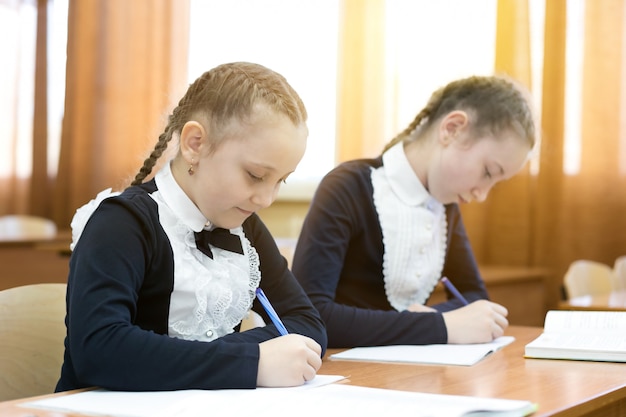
(497, 103)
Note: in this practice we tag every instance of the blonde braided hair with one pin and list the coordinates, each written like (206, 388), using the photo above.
(497, 102)
(227, 92)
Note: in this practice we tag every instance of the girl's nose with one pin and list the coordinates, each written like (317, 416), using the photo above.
(480, 194)
(265, 197)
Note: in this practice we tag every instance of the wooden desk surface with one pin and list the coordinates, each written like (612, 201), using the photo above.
(561, 388)
(61, 240)
(613, 301)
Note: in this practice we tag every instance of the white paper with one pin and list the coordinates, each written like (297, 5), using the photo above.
(163, 403)
(448, 354)
(320, 400)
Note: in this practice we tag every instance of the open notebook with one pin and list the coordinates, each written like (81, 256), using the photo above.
(448, 354)
(320, 399)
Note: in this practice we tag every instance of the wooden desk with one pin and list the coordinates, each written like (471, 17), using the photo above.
(561, 388)
(522, 290)
(613, 301)
(35, 260)
(62, 238)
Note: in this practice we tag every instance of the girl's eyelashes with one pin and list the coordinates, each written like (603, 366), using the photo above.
(487, 173)
(254, 177)
(258, 178)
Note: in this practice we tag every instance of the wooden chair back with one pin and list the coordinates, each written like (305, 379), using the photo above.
(585, 277)
(32, 331)
(619, 273)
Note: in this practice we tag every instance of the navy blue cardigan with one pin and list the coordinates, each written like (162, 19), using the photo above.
(339, 262)
(119, 285)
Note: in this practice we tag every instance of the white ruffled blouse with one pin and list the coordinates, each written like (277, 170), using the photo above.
(210, 296)
(414, 229)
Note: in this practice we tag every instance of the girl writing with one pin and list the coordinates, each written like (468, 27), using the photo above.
(380, 233)
(162, 274)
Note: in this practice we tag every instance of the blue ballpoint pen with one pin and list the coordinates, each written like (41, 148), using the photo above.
(271, 312)
(453, 290)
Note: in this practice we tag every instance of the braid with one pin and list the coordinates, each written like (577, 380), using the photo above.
(407, 132)
(498, 103)
(229, 91)
(156, 153)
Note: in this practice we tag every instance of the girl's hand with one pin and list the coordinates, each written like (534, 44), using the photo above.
(480, 322)
(288, 361)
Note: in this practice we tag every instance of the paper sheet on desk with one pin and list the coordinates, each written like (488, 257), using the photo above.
(448, 354)
(322, 399)
(170, 403)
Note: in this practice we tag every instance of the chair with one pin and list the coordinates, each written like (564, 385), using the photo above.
(252, 320)
(619, 273)
(32, 330)
(585, 277)
(24, 227)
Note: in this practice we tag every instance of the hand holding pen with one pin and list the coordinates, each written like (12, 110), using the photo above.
(480, 322)
(286, 361)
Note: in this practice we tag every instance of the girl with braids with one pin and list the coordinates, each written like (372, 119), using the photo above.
(162, 274)
(380, 233)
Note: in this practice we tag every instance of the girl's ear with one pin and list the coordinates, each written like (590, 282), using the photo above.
(452, 125)
(192, 140)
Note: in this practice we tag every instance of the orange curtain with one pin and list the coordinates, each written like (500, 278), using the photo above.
(593, 210)
(126, 65)
(547, 217)
(500, 227)
(555, 217)
(360, 79)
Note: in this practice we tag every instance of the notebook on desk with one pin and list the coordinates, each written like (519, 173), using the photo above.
(448, 354)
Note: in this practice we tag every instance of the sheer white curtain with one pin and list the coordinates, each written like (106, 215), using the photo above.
(18, 23)
(429, 44)
(295, 38)
(18, 48)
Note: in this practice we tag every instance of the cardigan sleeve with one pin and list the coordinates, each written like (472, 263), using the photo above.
(282, 289)
(340, 241)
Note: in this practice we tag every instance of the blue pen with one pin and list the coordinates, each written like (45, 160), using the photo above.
(271, 312)
(453, 290)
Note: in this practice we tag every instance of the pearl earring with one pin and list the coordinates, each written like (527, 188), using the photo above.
(190, 171)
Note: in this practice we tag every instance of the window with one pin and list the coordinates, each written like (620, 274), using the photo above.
(298, 39)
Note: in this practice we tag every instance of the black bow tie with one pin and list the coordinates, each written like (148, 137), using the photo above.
(220, 238)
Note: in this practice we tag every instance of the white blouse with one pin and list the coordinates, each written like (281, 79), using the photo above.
(210, 296)
(414, 229)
